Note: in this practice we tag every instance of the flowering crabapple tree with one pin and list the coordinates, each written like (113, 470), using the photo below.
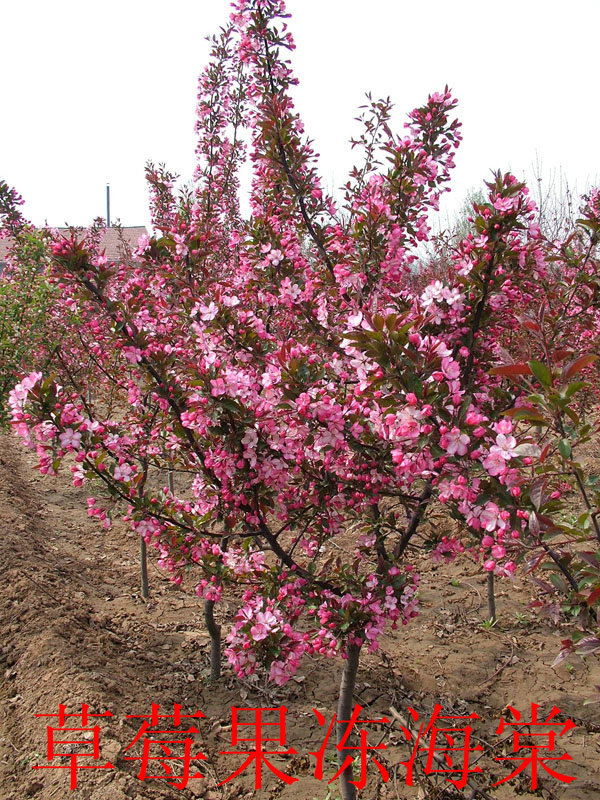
(554, 377)
(37, 331)
(551, 352)
(312, 404)
(26, 340)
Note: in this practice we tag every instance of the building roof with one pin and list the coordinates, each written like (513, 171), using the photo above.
(111, 240)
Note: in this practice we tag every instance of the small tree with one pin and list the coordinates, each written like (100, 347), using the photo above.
(309, 399)
(26, 298)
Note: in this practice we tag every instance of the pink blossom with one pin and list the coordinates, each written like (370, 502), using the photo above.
(494, 461)
(490, 516)
(70, 439)
(209, 312)
(455, 442)
(450, 368)
(132, 354)
(123, 472)
(506, 445)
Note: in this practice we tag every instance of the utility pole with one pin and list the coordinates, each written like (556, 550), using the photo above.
(108, 205)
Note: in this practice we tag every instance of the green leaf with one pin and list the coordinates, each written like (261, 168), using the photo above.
(414, 384)
(572, 416)
(558, 582)
(464, 406)
(570, 390)
(229, 404)
(564, 448)
(541, 372)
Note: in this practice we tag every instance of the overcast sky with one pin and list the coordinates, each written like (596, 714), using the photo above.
(91, 91)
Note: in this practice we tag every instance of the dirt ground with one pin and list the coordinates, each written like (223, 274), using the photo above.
(73, 630)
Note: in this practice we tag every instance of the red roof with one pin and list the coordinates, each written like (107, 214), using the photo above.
(112, 240)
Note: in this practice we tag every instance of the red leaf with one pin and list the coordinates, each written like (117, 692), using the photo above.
(511, 369)
(564, 653)
(534, 525)
(587, 646)
(527, 413)
(560, 355)
(537, 492)
(576, 366)
(593, 597)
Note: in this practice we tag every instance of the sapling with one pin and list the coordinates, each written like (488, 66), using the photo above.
(491, 597)
(315, 402)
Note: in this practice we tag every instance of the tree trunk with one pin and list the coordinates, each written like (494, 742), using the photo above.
(144, 567)
(491, 597)
(344, 712)
(215, 640)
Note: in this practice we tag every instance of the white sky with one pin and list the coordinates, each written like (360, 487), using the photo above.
(90, 91)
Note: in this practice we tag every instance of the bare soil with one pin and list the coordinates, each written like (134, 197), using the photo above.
(74, 629)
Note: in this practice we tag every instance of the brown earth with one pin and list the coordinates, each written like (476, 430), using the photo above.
(73, 630)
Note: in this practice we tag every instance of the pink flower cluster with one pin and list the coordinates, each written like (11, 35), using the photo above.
(287, 373)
